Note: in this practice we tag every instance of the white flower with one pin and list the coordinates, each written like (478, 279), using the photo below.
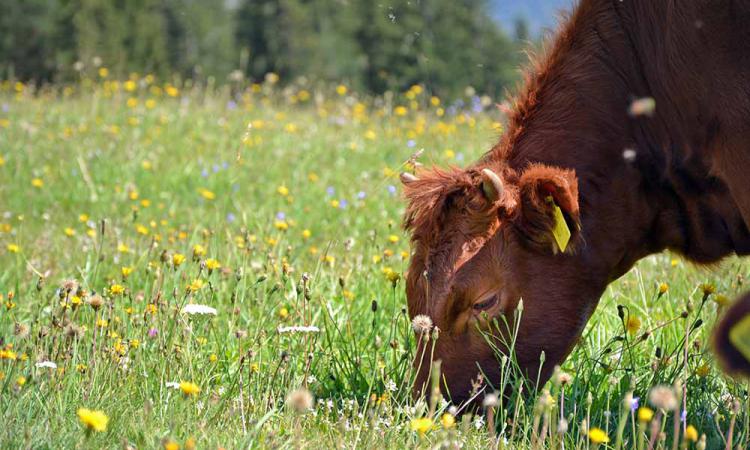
(298, 329)
(478, 422)
(391, 386)
(47, 364)
(421, 324)
(198, 309)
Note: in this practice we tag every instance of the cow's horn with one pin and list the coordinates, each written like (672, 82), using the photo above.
(407, 178)
(492, 185)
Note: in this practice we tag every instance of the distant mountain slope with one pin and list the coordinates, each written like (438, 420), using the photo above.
(539, 14)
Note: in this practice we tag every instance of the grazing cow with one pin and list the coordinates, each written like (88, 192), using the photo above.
(631, 136)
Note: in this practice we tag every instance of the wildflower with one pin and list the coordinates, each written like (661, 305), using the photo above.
(206, 194)
(393, 239)
(195, 286)
(69, 232)
(281, 225)
(300, 400)
(8, 354)
(171, 445)
(703, 370)
(116, 289)
(198, 251)
(189, 389)
(663, 397)
(663, 288)
(306, 234)
(283, 313)
(421, 324)
(722, 300)
(598, 436)
(37, 183)
(691, 434)
(633, 324)
(421, 426)
(400, 110)
(198, 309)
(707, 289)
(341, 89)
(95, 301)
(212, 264)
(645, 414)
(46, 365)
(126, 271)
(560, 378)
(282, 190)
(448, 421)
(123, 248)
(13, 248)
(213, 358)
(177, 259)
(93, 420)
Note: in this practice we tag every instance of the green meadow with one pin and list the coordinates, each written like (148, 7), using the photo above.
(195, 266)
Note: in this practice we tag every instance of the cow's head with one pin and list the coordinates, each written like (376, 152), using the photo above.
(483, 239)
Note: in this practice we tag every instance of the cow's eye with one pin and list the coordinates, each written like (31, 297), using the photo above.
(487, 303)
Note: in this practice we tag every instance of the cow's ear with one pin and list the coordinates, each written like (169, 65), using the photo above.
(549, 217)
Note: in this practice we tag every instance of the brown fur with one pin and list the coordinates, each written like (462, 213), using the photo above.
(685, 190)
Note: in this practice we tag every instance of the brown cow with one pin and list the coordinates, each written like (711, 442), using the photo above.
(629, 179)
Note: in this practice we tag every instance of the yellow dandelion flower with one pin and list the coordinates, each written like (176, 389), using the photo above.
(447, 420)
(703, 371)
(177, 259)
(282, 190)
(189, 389)
(126, 271)
(306, 234)
(212, 264)
(691, 434)
(37, 182)
(198, 251)
(421, 426)
(103, 72)
(283, 313)
(69, 232)
(13, 248)
(598, 436)
(213, 358)
(633, 324)
(393, 239)
(721, 300)
(645, 414)
(206, 194)
(400, 110)
(116, 289)
(195, 286)
(281, 225)
(123, 248)
(663, 288)
(341, 89)
(171, 445)
(93, 420)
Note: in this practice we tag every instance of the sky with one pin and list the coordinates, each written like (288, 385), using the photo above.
(539, 14)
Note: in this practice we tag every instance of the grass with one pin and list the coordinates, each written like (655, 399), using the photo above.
(285, 204)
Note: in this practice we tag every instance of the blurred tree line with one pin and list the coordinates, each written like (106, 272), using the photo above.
(371, 45)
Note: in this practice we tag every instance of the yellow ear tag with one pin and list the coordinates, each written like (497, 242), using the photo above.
(561, 232)
(739, 336)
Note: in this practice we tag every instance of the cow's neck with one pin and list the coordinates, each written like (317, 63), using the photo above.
(640, 190)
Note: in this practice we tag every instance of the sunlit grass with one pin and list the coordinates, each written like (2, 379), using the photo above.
(193, 262)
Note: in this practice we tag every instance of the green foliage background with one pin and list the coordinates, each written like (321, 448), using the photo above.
(373, 46)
